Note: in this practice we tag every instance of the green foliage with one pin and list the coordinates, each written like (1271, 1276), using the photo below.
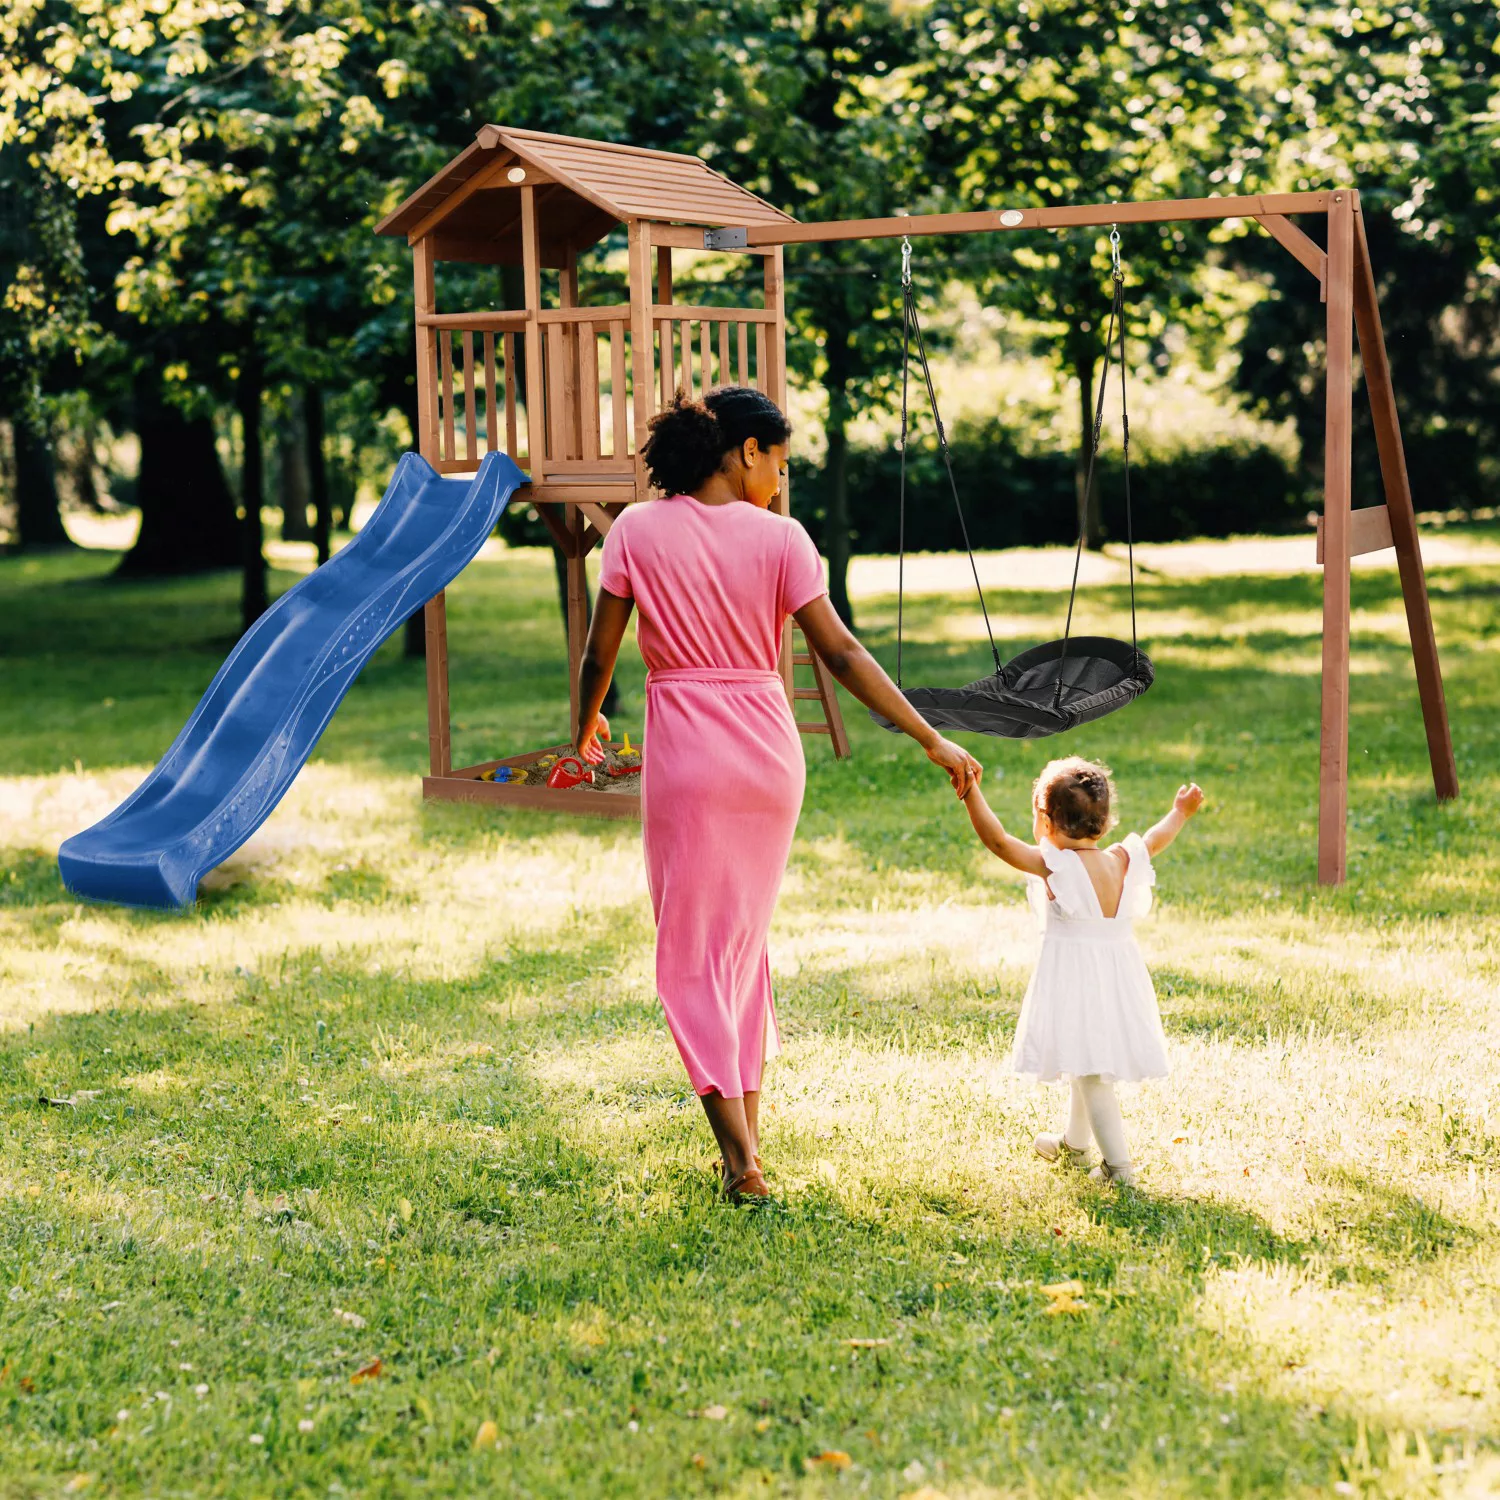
(1402, 101)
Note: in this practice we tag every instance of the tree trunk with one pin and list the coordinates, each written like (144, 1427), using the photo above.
(188, 523)
(38, 520)
(253, 595)
(1088, 518)
(836, 529)
(294, 484)
(82, 472)
(317, 470)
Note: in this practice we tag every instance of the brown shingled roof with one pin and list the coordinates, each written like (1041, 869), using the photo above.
(609, 183)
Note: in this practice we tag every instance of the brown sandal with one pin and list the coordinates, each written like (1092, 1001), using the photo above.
(749, 1186)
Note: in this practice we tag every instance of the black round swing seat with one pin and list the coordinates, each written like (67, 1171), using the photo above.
(1022, 702)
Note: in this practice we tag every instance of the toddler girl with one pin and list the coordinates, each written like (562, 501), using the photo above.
(1090, 1010)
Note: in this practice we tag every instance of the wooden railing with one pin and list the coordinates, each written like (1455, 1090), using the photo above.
(587, 365)
(698, 348)
(479, 406)
(585, 425)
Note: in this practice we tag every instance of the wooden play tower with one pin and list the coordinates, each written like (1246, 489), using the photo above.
(567, 390)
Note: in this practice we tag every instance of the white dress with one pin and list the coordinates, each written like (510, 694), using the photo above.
(1091, 1006)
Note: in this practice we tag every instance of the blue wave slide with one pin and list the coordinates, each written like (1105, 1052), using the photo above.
(264, 711)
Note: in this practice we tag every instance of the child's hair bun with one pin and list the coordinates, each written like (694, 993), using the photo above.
(1078, 797)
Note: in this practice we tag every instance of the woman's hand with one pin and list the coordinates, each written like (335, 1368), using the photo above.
(588, 739)
(963, 770)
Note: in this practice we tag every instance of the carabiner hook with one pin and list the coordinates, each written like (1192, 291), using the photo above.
(1114, 251)
(905, 261)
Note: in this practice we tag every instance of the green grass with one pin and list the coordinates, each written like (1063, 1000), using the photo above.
(399, 1089)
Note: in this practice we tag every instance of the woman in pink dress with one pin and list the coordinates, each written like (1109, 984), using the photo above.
(715, 574)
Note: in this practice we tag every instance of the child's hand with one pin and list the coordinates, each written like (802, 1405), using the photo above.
(1188, 799)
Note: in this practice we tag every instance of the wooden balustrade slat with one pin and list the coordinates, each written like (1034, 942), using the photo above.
(705, 335)
(556, 411)
(512, 446)
(760, 358)
(620, 439)
(686, 328)
(471, 433)
(668, 370)
(445, 390)
(491, 416)
(588, 349)
(726, 371)
(744, 352)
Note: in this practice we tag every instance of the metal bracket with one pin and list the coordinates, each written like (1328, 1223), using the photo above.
(726, 239)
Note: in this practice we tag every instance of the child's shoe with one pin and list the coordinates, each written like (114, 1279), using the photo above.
(1055, 1147)
(1124, 1174)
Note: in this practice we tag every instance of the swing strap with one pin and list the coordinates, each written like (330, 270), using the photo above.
(912, 331)
(1116, 324)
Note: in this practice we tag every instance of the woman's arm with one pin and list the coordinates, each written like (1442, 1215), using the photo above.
(1024, 857)
(858, 671)
(606, 631)
(1187, 801)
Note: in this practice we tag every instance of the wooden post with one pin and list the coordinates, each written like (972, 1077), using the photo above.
(435, 615)
(1403, 518)
(640, 342)
(536, 387)
(578, 609)
(1333, 756)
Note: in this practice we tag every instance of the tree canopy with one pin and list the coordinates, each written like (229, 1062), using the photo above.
(192, 187)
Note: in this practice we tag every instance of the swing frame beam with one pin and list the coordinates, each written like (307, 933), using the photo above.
(1347, 287)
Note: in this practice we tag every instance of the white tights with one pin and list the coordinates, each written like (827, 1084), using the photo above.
(1094, 1113)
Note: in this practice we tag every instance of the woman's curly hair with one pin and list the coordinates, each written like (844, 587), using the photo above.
(1078, 796)
(688, 440)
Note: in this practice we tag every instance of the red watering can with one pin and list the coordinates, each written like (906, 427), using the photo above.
(569, 771)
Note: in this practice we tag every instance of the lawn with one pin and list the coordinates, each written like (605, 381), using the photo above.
(381, 1175)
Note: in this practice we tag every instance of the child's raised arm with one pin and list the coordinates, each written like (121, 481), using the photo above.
(1024, 857)
(1187, 801)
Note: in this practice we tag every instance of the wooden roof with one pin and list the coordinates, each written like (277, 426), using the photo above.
(585, 188)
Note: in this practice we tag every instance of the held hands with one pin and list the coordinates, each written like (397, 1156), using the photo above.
(1188, 800)
(588, 741)
(963, 770)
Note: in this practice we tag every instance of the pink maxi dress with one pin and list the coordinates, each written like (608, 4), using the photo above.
(723, 769)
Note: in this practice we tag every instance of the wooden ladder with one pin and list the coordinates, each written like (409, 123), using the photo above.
(831, 721)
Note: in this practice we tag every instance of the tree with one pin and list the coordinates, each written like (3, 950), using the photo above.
(1403, 102)
(1093, 104)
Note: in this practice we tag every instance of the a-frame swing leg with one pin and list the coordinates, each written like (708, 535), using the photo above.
(1333, 744)
(1352, 304)
(1403, 518)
